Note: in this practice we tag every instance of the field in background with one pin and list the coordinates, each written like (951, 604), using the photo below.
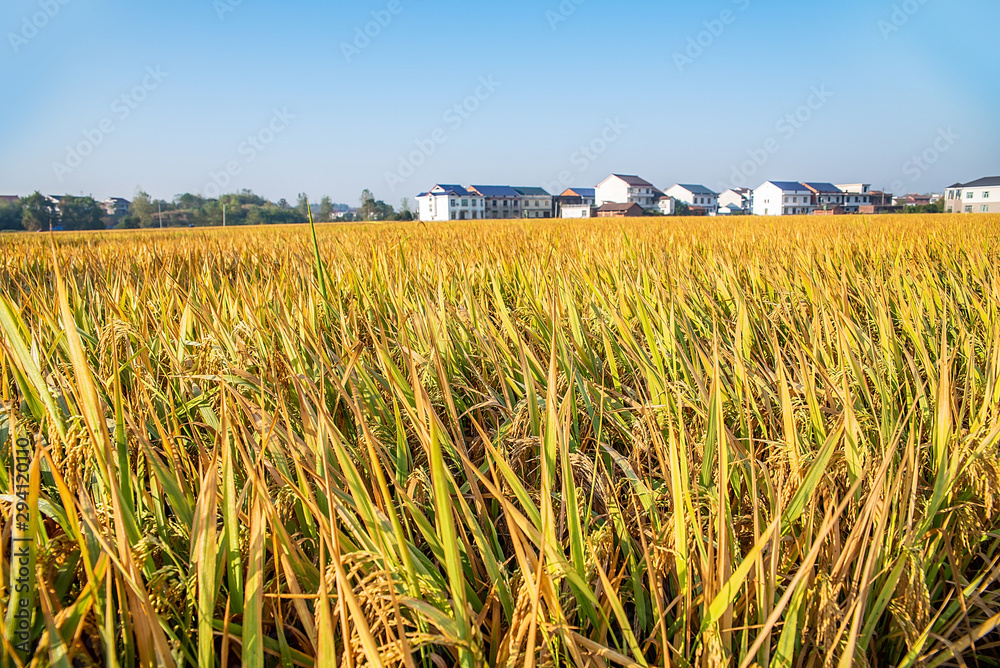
(644, 442)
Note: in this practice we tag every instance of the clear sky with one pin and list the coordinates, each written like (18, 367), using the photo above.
(289, 97)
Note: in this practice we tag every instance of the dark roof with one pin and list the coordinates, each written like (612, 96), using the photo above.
(981, 183)
(822, 187)
(696, 189)
(531, 192)
(582, 192)
(457, 190)
(634, 180)
(495, 191)
(613, 206)
(10, 198)
(788, 185)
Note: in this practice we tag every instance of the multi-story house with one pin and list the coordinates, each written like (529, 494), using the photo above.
(782, 198)
(574, 197)
(502, 202)
(626, 189)
(982, 196)
(736, 200)
(116, 207)
(856, 196)
(826, 196)
(882, 202)
(696, 197)
(450, 202)
(580, 196)
(535, 202)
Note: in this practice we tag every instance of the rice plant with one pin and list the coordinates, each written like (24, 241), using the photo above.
(663, 442)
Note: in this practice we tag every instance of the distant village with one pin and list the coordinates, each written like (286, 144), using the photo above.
(622, 195)
(619, 195)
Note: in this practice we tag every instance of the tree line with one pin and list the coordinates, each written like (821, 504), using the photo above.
(40, 213)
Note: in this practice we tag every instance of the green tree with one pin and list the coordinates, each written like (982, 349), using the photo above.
(143, 208)
(11, 216)
(369, 206)
(81, 213)
(384, 211)
(326, 210)
(189, 202)
(39, 213)
(303, 205)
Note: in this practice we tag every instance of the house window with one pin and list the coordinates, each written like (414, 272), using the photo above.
(454, 202)
(950, 210)
(986, 208)
(969, 195)
(968, 209)
(986, 194)
(465, 202)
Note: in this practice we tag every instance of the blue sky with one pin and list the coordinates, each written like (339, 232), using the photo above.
(220, 95)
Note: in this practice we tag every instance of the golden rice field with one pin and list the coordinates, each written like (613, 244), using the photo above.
(653, 442)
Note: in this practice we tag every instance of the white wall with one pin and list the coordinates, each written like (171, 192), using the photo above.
(576, 211)
(769, 200)
(613, 190)
(731, 197)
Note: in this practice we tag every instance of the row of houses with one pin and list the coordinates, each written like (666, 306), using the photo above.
(630, 195)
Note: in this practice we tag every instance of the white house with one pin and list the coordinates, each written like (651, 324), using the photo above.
(625, 189)
(736, 201)
(576, 211)
(116, 206)
(450, 202)
(982, 196)
(695, 196)
(666, 205)
(782, 198)
(857, 196)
